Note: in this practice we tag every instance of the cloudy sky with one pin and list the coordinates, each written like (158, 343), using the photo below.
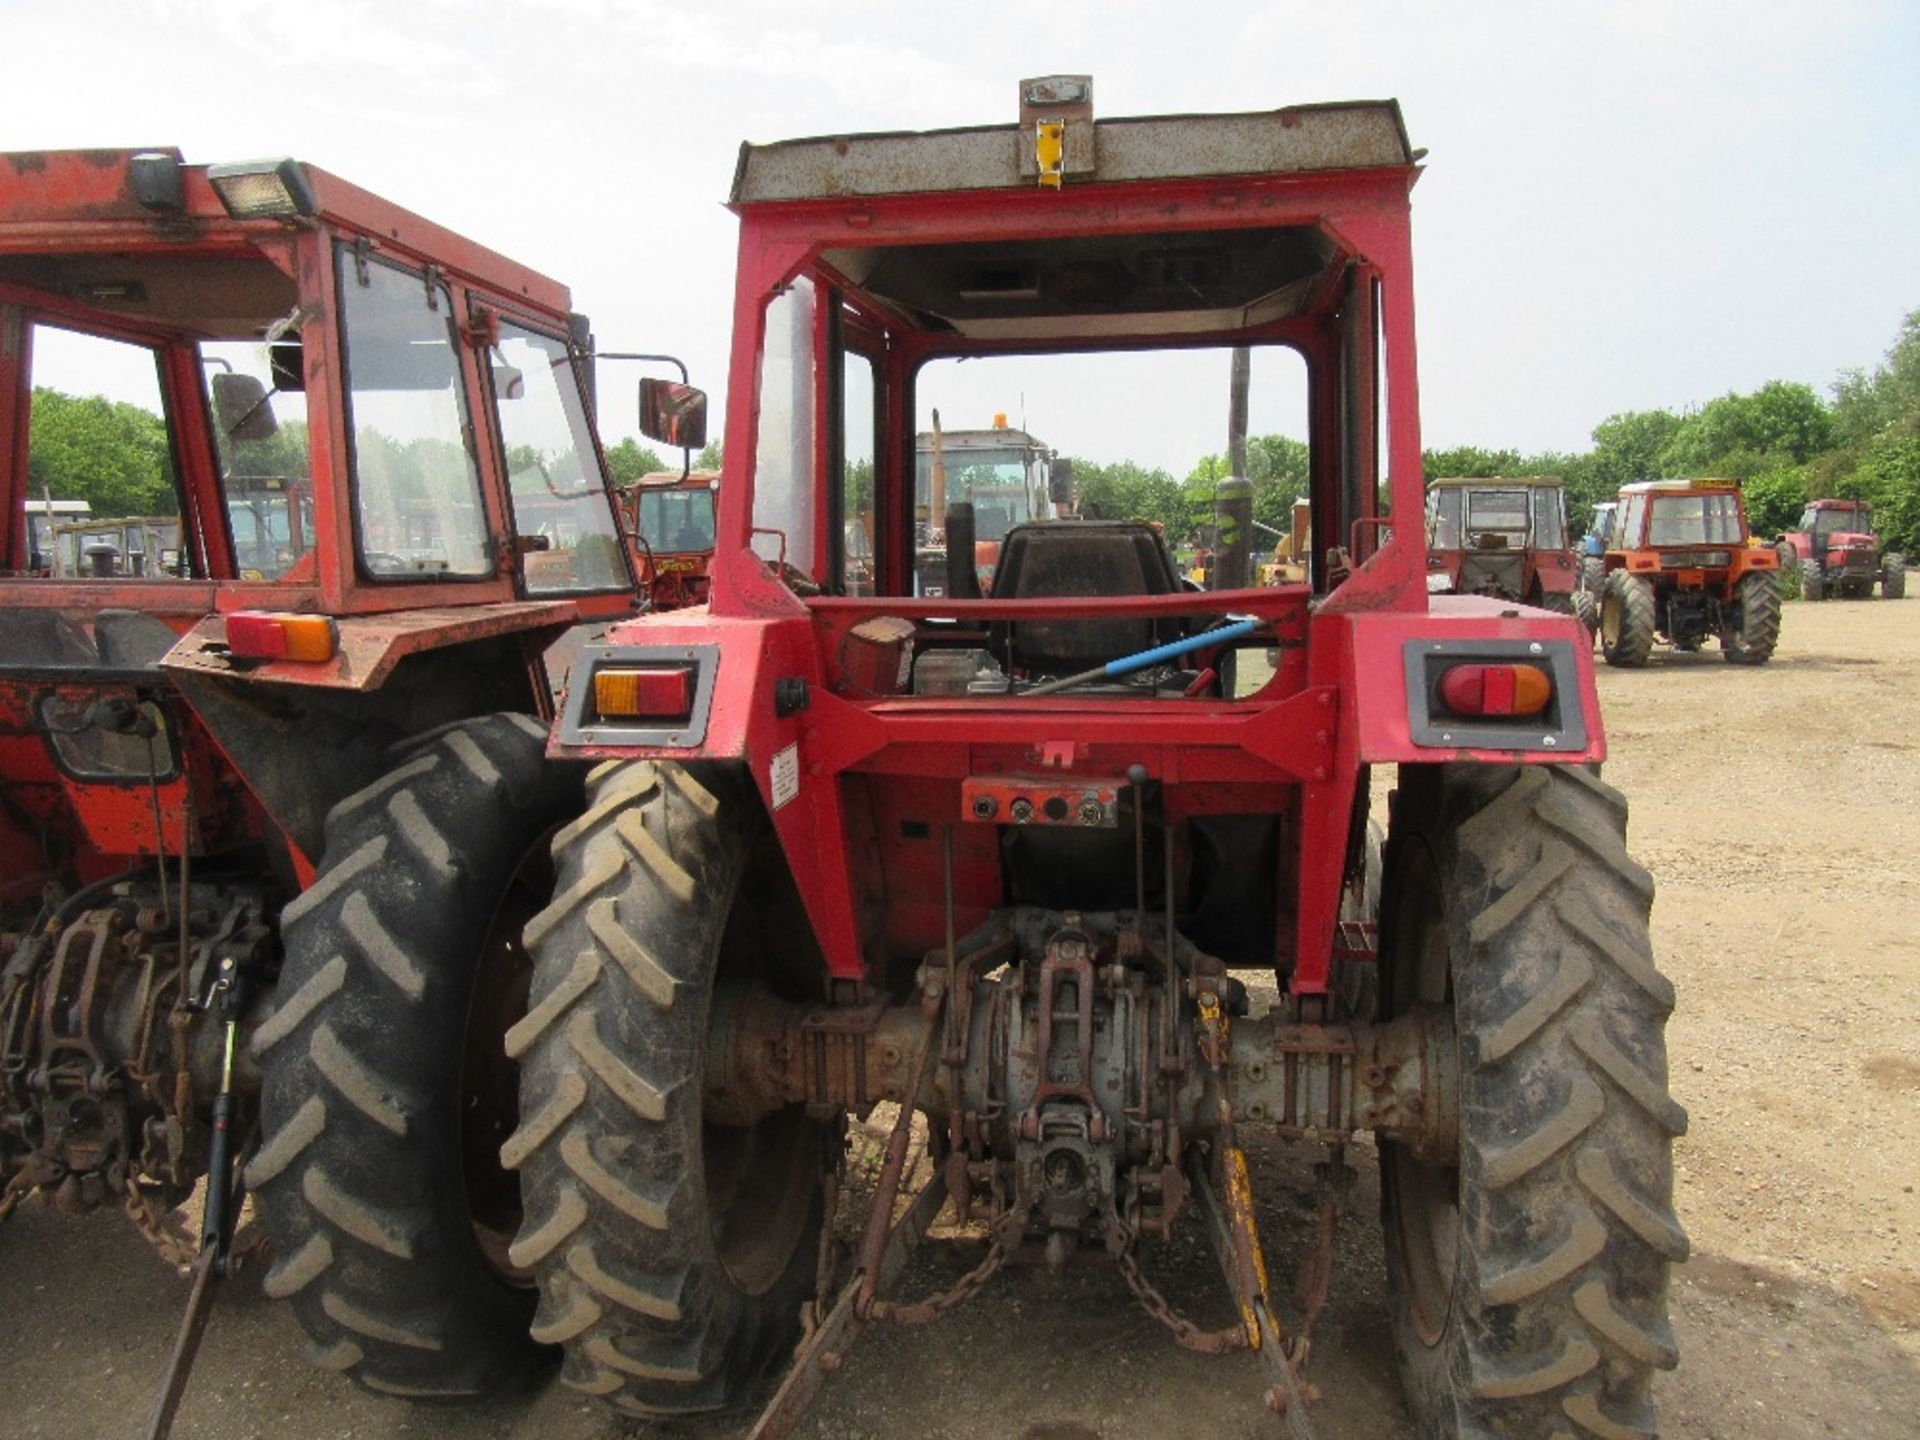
(1644, 203)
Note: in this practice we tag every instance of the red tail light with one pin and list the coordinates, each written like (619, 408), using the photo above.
(1495, 690)
(263, 635)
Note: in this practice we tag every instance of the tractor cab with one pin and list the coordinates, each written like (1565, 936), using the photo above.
(1501, 537)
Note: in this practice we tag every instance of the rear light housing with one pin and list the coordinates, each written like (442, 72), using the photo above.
(269, 635)
(646, 696)
(1486, 694)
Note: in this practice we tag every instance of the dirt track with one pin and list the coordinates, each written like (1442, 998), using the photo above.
(1780, 812)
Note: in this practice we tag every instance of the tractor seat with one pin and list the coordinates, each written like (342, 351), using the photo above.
(1049, 558)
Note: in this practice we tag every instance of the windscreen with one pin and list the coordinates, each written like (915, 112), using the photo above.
(1694, 520)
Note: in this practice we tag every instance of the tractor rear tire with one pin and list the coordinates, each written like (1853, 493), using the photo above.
(1528, 1269)
(1813, 582)
(1893, 578)
(1752, 641)
(378, 1175)
(1626, 620)
(673, 1254)
(1560, 602)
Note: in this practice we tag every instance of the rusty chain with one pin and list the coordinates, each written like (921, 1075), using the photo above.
(1188, 1335)
(937, 1307)
(151, 1222)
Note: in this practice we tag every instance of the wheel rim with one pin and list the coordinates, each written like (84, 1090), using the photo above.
(1425, 1195)
(760, 1183)
(490, 1082)
(1610, 620)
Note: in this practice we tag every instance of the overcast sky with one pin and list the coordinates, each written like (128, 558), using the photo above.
(1626, 204)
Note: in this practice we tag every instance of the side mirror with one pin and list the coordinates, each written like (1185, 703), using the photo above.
(285, 367)
(1060, 482)
(240, 405)
(674, 414)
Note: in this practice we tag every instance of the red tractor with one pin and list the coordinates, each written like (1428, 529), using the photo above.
(1024, 861)
(386, 500)
(1835, 552)
(1505, 538)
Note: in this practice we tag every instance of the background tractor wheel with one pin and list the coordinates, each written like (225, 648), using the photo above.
(1587, 611)
(385, 1093)
(1893, 578)
(1813, 584)
(1626, 620)
(673, 1254)
(1752, 640)
(1558, 601)
(1593, 576)
(1528, 1269)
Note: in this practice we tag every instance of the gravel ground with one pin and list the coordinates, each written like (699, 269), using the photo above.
(1779, 809)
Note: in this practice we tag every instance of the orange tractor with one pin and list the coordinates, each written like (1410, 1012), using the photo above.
(670, 517)
(332, 658)
(1681, 565)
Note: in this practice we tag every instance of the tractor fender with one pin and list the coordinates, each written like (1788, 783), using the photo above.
(1390, 657)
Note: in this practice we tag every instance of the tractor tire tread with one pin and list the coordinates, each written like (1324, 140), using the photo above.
(355, 1176)
(610, 1052)
(1566, 1225)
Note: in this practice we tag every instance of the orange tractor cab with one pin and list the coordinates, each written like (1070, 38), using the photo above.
(1681, 565)
(670, 516)
(384, 500)
(1835, 552)
(1043, 861)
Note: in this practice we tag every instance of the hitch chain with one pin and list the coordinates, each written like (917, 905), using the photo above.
(176, 1249)
(939, 1306)
(1186, 1334)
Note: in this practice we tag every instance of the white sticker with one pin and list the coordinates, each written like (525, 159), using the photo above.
(783, 776)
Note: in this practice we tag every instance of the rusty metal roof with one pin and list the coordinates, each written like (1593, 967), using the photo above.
(1348, 135)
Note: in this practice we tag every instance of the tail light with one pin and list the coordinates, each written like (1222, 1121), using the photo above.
(1479, 689)
(650, 693)
(265, 635)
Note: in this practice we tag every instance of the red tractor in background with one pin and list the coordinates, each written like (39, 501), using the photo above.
(1507, 538)
(1015, 855)
(388, 502)
(1835, 552)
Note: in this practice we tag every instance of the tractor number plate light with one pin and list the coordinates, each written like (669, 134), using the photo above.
(663, 694)
(264, 635)
(1495, 689)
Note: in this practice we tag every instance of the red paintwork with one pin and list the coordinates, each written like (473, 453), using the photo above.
(64, 204)
(880, 778)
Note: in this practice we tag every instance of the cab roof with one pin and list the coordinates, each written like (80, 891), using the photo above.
(1662, 487)
(88, 211)
(1300, 139)
(1446, 481)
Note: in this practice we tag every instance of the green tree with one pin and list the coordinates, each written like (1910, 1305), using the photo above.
(629, 460)
(1867, 406)
(1738, 434)
(709, 457)
(1471, 462)
(108, 453)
